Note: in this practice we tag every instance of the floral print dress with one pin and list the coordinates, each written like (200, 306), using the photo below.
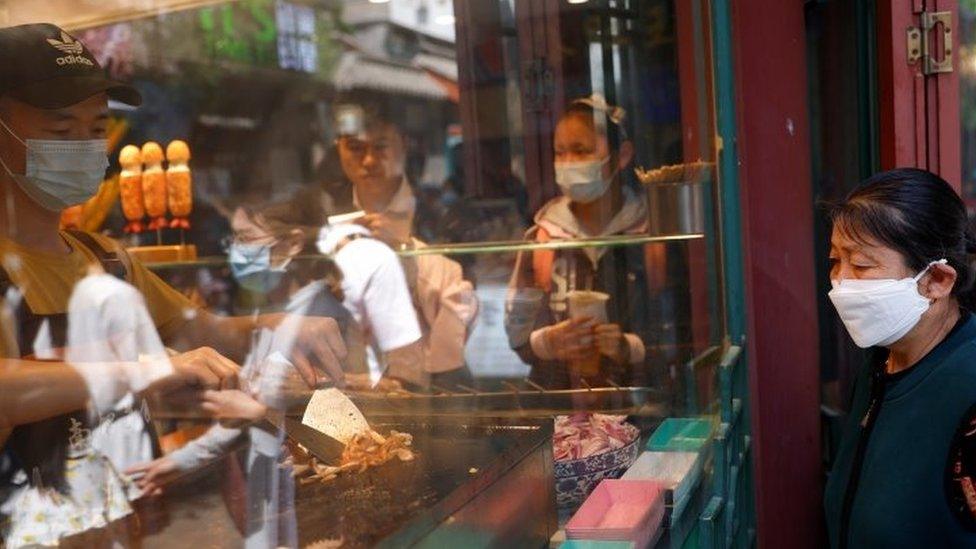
(39, 516)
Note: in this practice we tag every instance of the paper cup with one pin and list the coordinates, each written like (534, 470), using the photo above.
(590, 304)
(593, 305)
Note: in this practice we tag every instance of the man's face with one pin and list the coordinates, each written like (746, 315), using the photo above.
(85, 120)
(376, 162)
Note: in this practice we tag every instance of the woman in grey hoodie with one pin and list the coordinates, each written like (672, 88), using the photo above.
(592, 159)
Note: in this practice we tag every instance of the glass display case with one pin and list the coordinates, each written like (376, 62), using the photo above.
(494, 225)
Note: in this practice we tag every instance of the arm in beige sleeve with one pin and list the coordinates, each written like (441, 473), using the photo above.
(449, 305)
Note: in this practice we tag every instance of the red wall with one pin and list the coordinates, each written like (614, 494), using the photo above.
(777, 204)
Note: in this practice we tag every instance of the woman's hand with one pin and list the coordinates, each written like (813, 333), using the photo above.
(312, 344)
(178, 391)
(232, 405)
(611, 342)
(203, 368)
(152, 476)
(570, 339)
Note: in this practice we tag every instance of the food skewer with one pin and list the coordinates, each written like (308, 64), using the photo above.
(154, 187)
(130, 188)
(179, 186)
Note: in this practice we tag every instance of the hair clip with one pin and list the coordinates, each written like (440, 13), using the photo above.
(597, 102)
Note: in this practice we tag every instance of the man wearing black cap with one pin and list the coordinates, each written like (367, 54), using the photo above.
(53, 119)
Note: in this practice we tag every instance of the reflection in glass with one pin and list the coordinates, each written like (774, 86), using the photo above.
(445, 192)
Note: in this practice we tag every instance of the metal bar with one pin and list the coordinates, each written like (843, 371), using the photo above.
(474, 248)
(495, 247)
(535, 385)
(711, 523)
(440, 389)
(468, 389)
(615, 388)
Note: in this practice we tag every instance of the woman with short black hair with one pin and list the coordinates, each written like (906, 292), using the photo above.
(902, 284)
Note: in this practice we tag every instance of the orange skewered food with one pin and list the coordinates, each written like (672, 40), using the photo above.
(179, 184)
(154, 185)
(130, 188)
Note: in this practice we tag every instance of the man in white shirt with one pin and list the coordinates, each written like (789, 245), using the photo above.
(372, 153)
(375, 292)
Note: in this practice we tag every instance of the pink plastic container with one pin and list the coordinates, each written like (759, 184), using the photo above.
(620, 510)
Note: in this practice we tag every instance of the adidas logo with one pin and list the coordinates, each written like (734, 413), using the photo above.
(74, 60)
(67, 44)
(71, 47)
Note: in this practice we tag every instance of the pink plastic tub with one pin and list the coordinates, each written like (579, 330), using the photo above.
(620, 510)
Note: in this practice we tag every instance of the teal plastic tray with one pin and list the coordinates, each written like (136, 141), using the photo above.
(680, 434)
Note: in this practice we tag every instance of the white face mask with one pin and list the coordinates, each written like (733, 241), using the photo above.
(583, 181)
(880, 312)
(60, 173)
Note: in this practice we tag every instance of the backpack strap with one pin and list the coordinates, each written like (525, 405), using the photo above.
(542, 261)
(113, 262)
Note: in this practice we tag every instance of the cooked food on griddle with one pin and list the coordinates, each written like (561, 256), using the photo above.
(364, 450)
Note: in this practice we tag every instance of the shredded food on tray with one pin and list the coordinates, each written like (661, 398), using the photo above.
(583, 435)
(364, 450)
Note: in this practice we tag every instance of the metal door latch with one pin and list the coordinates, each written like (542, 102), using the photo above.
(921, 42)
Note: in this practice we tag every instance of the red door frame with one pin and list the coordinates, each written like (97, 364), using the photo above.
(777, 236)
(919, 123)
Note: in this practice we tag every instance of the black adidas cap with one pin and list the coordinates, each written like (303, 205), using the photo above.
(46, 67)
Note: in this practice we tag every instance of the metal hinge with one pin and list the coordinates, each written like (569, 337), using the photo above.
(922, 42)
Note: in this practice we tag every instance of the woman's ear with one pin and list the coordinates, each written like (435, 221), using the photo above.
(626, 155)
(938, 282)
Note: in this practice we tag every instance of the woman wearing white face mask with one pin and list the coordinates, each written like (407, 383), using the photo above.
(905, 472)
(592, 168)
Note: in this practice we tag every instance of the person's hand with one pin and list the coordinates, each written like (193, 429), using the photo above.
(232, 405)
(383, 228)
(611, 343)
(202, 368)
(278, 383)
(571, 339)
(312, 344)
(150, 477)
(406, 365)
(179, 392)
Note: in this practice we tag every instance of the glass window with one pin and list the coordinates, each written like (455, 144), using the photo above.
(472, 217)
